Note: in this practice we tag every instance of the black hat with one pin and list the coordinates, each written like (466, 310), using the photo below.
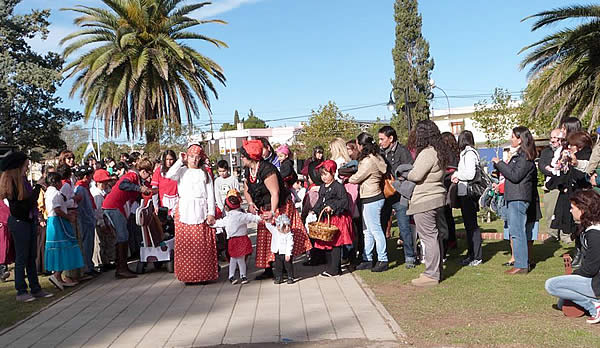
(12, 161)
(82, 171)
(313, 173)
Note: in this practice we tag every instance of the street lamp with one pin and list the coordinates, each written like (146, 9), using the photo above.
(432, 85)
(94, 125)
(391, 105)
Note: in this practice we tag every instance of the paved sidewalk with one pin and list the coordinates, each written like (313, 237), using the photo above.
(156, 310)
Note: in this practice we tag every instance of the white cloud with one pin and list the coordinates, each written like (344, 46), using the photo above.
(219, 7)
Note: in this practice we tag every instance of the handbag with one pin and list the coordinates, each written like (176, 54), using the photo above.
(388, 187)
(477, 186)
(480, 182)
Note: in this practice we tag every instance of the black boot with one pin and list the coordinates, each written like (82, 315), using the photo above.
(123, 271)
(577, 259)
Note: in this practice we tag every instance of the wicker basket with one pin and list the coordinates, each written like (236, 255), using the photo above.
(324, 231)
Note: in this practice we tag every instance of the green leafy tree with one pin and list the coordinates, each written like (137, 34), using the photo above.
(324, 125)
(139, 66)
(253, 121)
(412, 65)
(29, 114)
(236, 118)
(496, 118)
(565, 65)
(227, 126)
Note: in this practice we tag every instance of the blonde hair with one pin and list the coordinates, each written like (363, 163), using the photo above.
(338, 149)
(10, 181)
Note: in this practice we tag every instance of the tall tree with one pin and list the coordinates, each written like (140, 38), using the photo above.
(228, 126)
(324, 125)
(236, 118)
(29, 114)
(412, 65)
(138, 66)
(565, 65)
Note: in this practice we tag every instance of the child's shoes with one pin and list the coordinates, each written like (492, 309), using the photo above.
(278, 280)
(290, 280)
(233, 281)
(244, 280)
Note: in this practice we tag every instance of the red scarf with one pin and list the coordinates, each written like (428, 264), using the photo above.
(86, 185)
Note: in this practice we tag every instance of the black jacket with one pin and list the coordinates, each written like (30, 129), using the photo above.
(546, 160)
(334, 196)
(396, 156)
(590, 267)
(521, 178)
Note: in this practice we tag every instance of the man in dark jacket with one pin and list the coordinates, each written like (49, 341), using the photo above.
(396, 154)
(546, 165)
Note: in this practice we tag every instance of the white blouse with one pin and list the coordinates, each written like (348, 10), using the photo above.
(236, 223)
(54, 199)
(196, 193)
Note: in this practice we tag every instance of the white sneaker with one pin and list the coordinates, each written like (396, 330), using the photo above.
(57, 283)
(596, 318)
(475, 263)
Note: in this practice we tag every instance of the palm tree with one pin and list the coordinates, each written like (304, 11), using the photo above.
(565, 66)
(139, 67)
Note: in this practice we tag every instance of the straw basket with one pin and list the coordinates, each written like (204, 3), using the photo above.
(321, 230)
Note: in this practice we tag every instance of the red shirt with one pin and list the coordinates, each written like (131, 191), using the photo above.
(117, 198)
(165, 186)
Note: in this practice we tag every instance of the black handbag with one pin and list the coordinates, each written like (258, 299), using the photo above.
(477, 186)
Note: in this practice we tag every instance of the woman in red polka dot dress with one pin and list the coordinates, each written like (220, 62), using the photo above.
(266, 193)
(195, 243)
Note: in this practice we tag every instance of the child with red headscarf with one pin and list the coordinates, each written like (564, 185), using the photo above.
(333, 200)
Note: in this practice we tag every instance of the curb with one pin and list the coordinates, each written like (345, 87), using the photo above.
(387, 317)
(12, 327)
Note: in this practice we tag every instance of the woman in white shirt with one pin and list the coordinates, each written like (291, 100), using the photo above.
(195, 242)
(469, 160)
(62, 252)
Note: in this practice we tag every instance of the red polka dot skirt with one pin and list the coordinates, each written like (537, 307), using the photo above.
(195, 252)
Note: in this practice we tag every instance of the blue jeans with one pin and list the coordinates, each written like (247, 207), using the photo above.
(119, 223)
(24, 235)
(575, 288)
(88, 233)
(517, 219)
(405, 232)
(374, 236)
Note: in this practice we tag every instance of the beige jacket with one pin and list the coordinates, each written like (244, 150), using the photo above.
(430, 192)
(370, 176)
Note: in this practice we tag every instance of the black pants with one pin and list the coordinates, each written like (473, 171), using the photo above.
(334, 258)
(280, 262)
(24, 236)
(469, 208)
(135, 236)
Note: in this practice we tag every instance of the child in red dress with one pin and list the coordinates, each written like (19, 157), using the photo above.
(333, 199)
(239, 245)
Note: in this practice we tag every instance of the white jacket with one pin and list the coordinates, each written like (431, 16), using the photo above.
(236, 223)
(469, 160)
(281, 243)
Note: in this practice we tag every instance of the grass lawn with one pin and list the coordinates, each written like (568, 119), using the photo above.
(13, 311)
(480, 306)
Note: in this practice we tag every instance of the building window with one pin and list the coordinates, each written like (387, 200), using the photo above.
(457, 127)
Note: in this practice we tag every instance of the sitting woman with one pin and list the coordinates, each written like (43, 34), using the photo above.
(583, 286)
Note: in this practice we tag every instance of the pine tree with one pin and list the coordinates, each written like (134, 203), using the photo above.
(412, 65)
(236, 118)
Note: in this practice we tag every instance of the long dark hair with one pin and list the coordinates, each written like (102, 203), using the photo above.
(527, 142)
(163, 159)
(465, 138)
(427, 134)
(571, 124)
(588, 202)
(368, 145)
(450, 140)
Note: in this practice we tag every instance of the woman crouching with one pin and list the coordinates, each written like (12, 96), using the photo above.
(583, 286)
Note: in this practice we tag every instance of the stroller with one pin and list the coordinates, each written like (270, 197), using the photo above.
(158, 238)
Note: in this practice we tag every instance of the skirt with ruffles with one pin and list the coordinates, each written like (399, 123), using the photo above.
(62, 248)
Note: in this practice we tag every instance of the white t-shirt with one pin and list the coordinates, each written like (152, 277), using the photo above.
(236, 223)
(222, 186)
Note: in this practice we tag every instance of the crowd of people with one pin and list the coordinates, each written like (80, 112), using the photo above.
(78, 221)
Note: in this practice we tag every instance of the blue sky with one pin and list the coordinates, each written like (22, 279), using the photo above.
(286, 58)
